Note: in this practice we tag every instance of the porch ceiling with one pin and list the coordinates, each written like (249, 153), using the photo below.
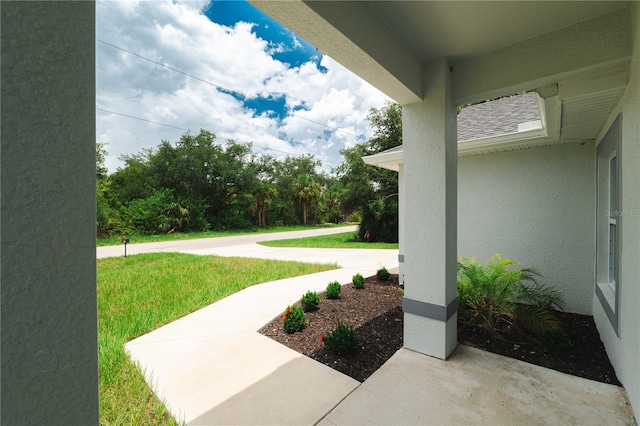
(576, 54)
(495, 48)
(466, 29)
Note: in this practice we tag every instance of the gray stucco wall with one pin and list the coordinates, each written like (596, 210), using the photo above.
(48, 313)
(624, 348)
(535, 206)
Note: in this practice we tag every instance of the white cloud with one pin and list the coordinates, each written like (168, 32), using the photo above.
(181, 36)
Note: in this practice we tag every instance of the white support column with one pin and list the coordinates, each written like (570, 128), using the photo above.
(48, 306)
(401, 222)
(430, 169)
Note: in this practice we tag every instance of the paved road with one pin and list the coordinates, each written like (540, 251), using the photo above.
(203, 245)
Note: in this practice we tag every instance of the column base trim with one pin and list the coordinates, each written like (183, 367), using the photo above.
(430, 310)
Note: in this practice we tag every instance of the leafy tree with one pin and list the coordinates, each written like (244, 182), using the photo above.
(330, 206)
(107, 212)
(307, 192)
(262, 188)
(284, 209)
(158, 213)
(133, 181)
(101, 154)
(372, 191)
(196, 184)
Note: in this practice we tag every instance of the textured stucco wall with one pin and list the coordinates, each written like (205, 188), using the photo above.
(49, 373)
(535, 206)
(624, 350)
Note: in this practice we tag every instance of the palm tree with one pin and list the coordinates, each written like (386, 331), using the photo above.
(307, 191)
(496, 295)
(262, 197)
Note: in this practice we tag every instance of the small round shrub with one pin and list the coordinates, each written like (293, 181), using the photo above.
(358, 281)
(310, 301)
(333, 290)
(341, 340)
(555, 342)
(383, 274)
(294, 319)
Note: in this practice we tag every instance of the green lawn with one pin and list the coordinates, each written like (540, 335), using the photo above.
(112, 241)
(140, 293)
(342, 240)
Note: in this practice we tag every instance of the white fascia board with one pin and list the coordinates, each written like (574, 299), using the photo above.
(393, 160)
(614, 79)
(526, 131)
(386, 160)
(506, 140)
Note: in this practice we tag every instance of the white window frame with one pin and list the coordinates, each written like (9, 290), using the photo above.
(613, 214)
(609, 221)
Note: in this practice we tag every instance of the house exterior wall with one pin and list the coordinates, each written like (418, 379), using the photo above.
(534, 206)
(48, 307)
(624, 348)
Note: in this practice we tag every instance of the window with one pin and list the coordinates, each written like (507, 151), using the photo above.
(608, 223)
(613, 208)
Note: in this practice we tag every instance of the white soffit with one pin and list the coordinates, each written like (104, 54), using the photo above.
(584, 116)
(588, 102)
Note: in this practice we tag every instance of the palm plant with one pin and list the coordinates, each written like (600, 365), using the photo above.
(307, 191)
(496, 295)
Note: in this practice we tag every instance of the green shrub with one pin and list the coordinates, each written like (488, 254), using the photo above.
(310, 301)
(333, 290)
(341, 340)
(156, 214)
(358, 281)
(496, 297)
(383, 274)
(555, 342)
(294, 319)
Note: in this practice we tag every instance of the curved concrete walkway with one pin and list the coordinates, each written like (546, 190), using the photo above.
(212, 367)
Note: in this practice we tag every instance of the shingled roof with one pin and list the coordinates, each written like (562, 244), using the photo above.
(515, 115)
(499, 117)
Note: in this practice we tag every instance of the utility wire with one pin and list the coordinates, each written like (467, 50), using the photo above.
(213, 84)
(329, 127)
(181, 128)
(165, 66)
(141, 119)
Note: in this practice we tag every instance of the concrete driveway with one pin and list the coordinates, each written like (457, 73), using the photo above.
(203, 244)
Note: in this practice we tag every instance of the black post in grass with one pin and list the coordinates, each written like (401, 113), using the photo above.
(125, 241)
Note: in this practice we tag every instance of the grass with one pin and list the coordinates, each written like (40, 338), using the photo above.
(342, 240)
(113, 241)
(140, 293)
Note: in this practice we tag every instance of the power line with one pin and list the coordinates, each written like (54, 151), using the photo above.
(329, 127)
(222, 89)
(188, 130)
(141, 119)
(165, 66)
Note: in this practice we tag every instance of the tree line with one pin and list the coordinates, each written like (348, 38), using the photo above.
(196, 184)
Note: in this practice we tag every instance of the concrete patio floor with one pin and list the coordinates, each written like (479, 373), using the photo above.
(474, 387)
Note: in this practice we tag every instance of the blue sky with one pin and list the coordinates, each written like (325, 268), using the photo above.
(255, 81)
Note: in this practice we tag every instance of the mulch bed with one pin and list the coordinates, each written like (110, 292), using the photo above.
(375, 312)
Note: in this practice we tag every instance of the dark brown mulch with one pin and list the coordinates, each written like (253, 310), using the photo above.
(375, 312)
